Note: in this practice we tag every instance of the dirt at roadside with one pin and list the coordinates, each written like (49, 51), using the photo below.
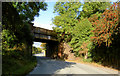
(79, 60)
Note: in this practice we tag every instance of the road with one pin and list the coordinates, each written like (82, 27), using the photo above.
(51, 66)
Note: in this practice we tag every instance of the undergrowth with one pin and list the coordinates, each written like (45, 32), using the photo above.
(22, 65)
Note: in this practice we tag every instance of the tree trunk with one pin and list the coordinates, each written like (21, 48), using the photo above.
(86, 55)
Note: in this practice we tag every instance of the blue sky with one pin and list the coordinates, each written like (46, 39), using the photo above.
(45, 18)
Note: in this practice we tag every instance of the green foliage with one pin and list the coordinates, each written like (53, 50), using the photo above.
(17, 37)
(20, 65)
(39, 49)
(106, 37)
(43, 45)
(17, 17)
(27, 10)
(8, 39)
(106, 26)
(70, 29)
(68, 12)
(87, 60)
(81, 34)
(16, 22)
(36, 50)
(90, 8)
(98, 20)
(72, 24)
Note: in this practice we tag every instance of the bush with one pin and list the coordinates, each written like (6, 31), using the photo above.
(87, 60)
(17, 66)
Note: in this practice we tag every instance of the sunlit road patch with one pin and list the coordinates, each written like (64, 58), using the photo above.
(50, 66)
(39, 54)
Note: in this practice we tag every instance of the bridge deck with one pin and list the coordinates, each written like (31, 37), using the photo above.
(43, 34)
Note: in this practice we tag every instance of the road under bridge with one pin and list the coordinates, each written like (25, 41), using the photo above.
(54, 48)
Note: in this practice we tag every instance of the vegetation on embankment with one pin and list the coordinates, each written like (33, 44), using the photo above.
(18, 64)
(17, 38)
(92, 29)
(36, 50)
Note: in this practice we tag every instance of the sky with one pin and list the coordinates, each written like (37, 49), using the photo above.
(45, 19)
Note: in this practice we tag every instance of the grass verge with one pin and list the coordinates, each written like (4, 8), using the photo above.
(19, 67)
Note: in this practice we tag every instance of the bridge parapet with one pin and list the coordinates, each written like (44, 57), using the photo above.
(46, 37)
(41, 33)
(44, 31)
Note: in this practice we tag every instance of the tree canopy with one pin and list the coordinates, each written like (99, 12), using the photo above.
(17, 39)
(72, 24)
(67, 19)
(16, 20)
(106, 26)
(43, 45)
(90, 8)
(90, 28)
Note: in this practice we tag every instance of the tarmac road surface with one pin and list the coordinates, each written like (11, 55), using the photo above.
(51, 66)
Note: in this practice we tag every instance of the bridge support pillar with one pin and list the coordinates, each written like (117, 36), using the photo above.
(52, 49)
(65, 52)
(30, 51)
(59, 50)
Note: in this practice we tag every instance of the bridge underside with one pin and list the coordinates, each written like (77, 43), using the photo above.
(54, 48)
(51, 46)
(44, 40)
(48, 37)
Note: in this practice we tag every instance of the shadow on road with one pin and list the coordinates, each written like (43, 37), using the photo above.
(46, 65)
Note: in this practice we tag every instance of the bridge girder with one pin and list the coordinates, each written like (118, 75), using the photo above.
(41, 34)
(46, 36)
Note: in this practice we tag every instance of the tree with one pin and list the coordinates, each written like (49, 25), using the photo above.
(72, 24)
(17, 17)
(8, 39)
(27, 10)
(43, 45)
(90, 8)
(16, 35)
(39, 50)
(68, 12)
(81, 36)
(16, 20)
(107, 25)
(106, 36)
(36, 50)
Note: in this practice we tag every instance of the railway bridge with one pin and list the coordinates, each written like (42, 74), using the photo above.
(54, 48)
